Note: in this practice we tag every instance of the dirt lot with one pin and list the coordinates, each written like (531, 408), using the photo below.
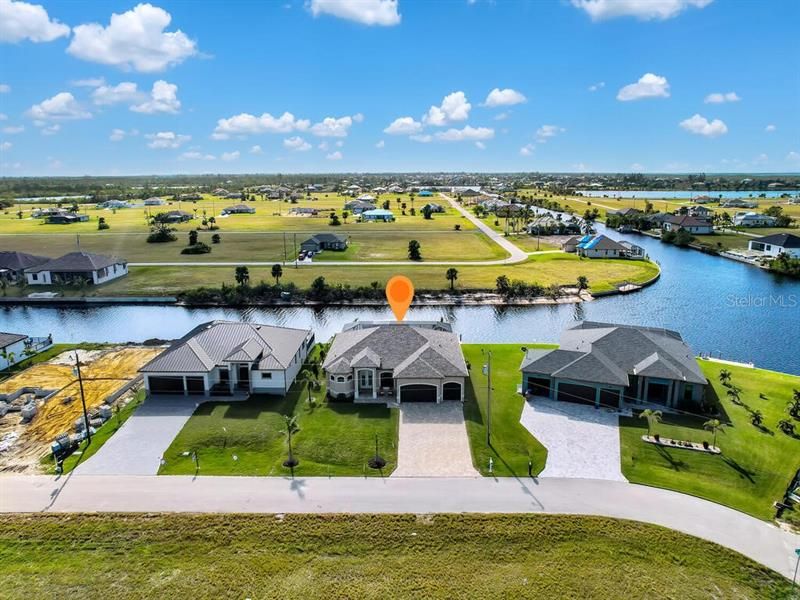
(104, 372)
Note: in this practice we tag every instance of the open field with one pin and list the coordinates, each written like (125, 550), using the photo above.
(544, 269)
(367, 556)
(756, 465)
(334, 438)
(265, 247)
(104, 372)
(512, 445)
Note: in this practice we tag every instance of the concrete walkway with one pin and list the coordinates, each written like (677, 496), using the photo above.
(581, 441)
(433, 441)
(756, 539)
(137, 448)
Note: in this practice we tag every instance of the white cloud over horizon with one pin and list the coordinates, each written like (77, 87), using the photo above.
(62, 106)
(166, 139)
(649, 85)
(454, 107)
(644, 10)
(20, 21)
(247, 124)
(367, 12)
(505, 97)
(699, 125)
(720, 98)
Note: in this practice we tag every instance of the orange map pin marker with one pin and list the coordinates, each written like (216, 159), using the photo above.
(399, 293)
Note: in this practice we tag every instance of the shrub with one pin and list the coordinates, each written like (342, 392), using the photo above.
(198, 248)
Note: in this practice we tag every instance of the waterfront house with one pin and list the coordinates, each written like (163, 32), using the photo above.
(396, 362)
(689, 223)
(752, 219)
(700, 211)
(239, 209)
(325, 241)
(549, 225)
(595, 246)
(13, 264)
(775, 244)
(604, 364)
(16, 347)
(223, 357)
(68, 269)
(377, 214)
(625, 212)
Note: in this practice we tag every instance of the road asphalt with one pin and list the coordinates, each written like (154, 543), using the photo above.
(759, 540)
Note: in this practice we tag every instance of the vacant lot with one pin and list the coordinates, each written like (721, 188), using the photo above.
(367, 556)
(757, 463)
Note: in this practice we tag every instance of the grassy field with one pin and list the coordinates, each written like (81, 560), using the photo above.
(334, 438)
(367, 556)
(544, 269)
(512, 445)
(756, 464)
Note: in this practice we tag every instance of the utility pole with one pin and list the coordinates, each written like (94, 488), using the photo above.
(284, 247)
(83, 399)
(294, 249)
(487, 370)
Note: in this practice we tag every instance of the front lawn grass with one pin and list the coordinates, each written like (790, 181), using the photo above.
(367, 556)
(756, 465)
(512, 445)
(246, 437)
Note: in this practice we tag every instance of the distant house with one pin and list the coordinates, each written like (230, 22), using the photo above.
(689, 223)
(93, 268)
(778, 243)
(752, 219)
(378, 214)
(366, 198)
(548, 225)
(190, 197)
(114, 204)
(632, 250)
(700, 211)
(603, 364)
(232, 196)
(13, 264)
(434, 208)
(222, 192)
(176, 216)
(739, 203)
(470, 193)
(359, 206)
(154, 201)
(47, 211)
(66, 219)
(625, 212)
(425, 194)
(324, 241)
(303, 211)
(596, 246)
(239, 209)
(16, 347)
(221, 357)
(396, 362)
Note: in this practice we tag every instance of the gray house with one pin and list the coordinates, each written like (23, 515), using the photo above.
(325, 241)
(13, 264)
(396, 362)
(222, 357)
(68, 269)
(604, 364)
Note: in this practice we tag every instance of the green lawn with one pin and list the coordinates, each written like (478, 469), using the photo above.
(366, 556)
(334, 438)
(756, 464)
(512, 445)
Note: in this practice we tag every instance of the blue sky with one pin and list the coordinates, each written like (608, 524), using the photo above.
(376, 85)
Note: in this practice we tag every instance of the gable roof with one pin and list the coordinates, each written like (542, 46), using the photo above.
(785, 240)
(408, 350)
(688, 221)
(218, 342)
(320, 238)
(608, 353)
(600, 242)
(77, 261)
(17, 261)
(6, 339)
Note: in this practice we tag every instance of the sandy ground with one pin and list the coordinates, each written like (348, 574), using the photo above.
(104, 373)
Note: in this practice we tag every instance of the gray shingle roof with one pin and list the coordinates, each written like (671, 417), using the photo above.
(785, 240)
(77, 261)
(410, 351)
(607, 353)
(217, 342)
(6, 339)
(17, 261)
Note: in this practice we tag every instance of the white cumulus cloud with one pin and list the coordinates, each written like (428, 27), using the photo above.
(105, 95)
(166, 139)
(699, 125)
(468, 133)
(256, 150)
(247, 124)
(366, 12)
(21, 21)
(230, 156)
(645, 10)
(454, 107)
(770, 128)
(163, 99)
(527, 149)
(13, 129)
(296, 144)
(333, 127)
(334, 156)
(194, 155)
(403, 126)
(546, 132)
(133, 40)
(505, 97)
(50, 129)
(62, 106)
(648, 86)
(719, 98)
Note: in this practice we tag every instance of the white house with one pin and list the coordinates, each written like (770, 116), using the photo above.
(223, 357)
(779, 243)
(752, 219)
(16, 347)
(689, 223)
(93, 268)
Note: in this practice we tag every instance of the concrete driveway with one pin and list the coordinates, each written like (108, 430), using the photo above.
(137, 448)
(433, 441)
(581, 441)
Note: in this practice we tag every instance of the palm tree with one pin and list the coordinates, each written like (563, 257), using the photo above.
(794, 405)
(733, 394)
(289, 429)
(307, 376)
(713, 426)
(277, 273)
(452, 275)
(757, 418)
(583, 282)
(725, 377)
(242, 275)
(652, 416)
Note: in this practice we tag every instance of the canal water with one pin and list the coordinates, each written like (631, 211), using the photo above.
(720, 307)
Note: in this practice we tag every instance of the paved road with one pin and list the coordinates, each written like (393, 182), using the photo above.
(757, 539)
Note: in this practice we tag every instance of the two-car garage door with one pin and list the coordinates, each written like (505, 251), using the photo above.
(174, 385)
(418, 393)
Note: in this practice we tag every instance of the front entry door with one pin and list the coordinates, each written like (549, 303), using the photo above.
(244, 377)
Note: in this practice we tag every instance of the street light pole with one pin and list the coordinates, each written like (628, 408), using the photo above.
(83, 400)
(488, 372)
(796, 567)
